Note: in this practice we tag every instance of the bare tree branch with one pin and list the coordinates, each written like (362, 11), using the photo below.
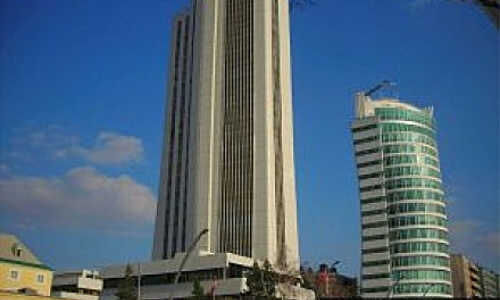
(490, 7)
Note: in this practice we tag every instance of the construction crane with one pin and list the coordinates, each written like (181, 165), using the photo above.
(383, 84)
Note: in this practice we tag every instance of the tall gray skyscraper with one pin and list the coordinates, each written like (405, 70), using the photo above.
(403, 211)
(228, 162)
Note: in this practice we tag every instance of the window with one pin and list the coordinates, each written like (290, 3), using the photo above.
(422, 275)
(370, 188)
(412, 171)
(375, 263)
(420, 260)
(368, 176)
(373, 200)
(375, 290)
(374, 237)
(14, 274)
(375, 250)
(374, 225)
(376, 276)
(366, 140)
(419, 247)
(412, 183)
(368, 164)
(417, 220)
(396, 127)
(416, 288)
(416, 207)
(366, 152)
(40, 278)
(19, 252)
(368, 127)
(417, 233)
(411, 137)
(415, 195)
(422, 117)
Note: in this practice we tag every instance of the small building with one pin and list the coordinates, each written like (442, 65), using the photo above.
(220, 275)
(223, 271)
(490, 283)
(473, 280)
(20, 270)
(77, 285)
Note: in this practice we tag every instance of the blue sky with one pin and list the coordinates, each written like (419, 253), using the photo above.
(82, 100)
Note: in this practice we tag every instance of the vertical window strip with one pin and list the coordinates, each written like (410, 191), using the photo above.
(278, 138)
(180, 137)
(237, 146)
(171, 141)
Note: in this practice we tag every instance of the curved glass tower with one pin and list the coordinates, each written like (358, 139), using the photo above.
(403, 212)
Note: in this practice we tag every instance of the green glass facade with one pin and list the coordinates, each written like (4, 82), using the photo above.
(416, 208)
(405, 250)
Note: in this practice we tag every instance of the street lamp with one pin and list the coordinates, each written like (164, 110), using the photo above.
(184, 260)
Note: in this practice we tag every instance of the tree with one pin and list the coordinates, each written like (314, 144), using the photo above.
(490, 7)
(126, 287)
(269, 279)
(198, 291)
(262, 281)
(254, 281)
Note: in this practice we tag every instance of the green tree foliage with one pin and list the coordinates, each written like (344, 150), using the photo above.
(254, 282)
(126, 287)
(262, 281)
(198, 292)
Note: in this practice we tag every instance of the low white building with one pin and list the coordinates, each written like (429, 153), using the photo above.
(77, 285)
(222, 272)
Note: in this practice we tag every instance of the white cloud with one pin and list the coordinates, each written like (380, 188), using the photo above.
(47, 138)
(82, 197)
(110, 148)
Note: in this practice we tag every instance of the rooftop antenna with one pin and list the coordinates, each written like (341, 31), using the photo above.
(383, 84)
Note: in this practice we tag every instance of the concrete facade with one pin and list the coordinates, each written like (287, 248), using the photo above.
(228, 163)
(490, 283)
(472, 280)
(77, 285)
(404, 242)
(19, 296)
(157, 277)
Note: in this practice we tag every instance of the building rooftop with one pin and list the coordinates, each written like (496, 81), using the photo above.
(12, 250)
(365, 105)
